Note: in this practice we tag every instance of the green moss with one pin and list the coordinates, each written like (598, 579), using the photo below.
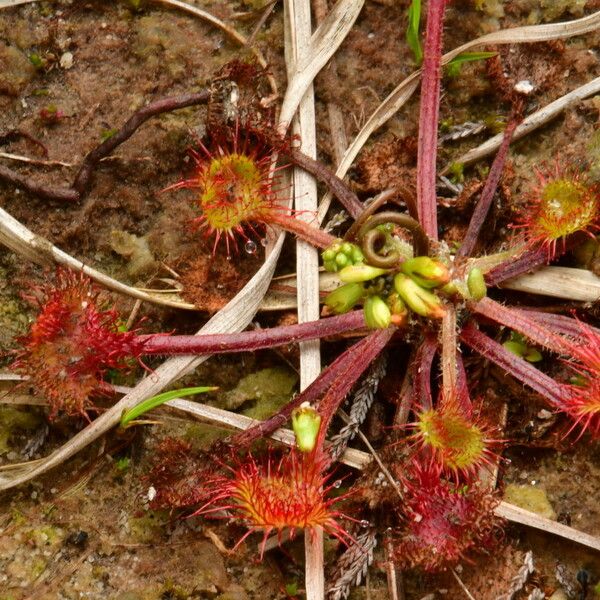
(530, 498)
(16, 70)
(147, 528)
(203, 435)
(269, 389)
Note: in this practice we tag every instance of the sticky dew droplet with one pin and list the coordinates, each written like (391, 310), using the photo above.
(250, 247)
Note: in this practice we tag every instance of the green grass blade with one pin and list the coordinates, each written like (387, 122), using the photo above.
(155, 401)
(412, 31)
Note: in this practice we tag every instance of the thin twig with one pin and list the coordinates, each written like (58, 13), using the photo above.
(463, 587)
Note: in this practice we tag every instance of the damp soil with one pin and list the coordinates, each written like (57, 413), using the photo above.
(70, 74)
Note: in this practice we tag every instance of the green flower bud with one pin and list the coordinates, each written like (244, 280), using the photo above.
(342, 299)
(341, 260)
(425, 271)
(305, 423)
(356, 255)
(476, 284)
(357, 273)
(377, 313)
(328, 254)
(330, 266)
(420, 300)
(347, 248)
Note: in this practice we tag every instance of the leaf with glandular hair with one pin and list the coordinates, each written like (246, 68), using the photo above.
(362, 400)
(352, 566)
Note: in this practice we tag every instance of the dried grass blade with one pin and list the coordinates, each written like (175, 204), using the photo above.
(35, 248)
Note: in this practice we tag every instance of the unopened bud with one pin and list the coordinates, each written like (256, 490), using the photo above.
(359, 273)
(425, 271)
(377, 313)
(341, 254)
(305, 423)
(343, 299)
(397, 305)
(476, 284)
(420, 300)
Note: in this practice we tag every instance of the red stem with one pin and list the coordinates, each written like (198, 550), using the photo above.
(313, 235)
(520, 321)
(247, 341)
(530, 260)
(422, 373)
(559, 324)
(428, 119)
(487, 195)
(311, 394)
(361, 360)
(554, 392)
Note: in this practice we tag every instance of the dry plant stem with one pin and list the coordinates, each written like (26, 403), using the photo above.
(576, 285)
(428, 118)
(462, 586)
(233, 33)
(25, 243)
(298, 30)
(487, 195)
(43, 191)
(520, 321)
(83, 177)
(533, 121)
(516, 366)
(249, 341)
(158, 107)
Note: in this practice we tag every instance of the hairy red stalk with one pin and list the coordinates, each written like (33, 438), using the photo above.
(375, 343)
(554, 392)
(422, 372)
(305, 231)
(462, 390)
(248, 341)
(428, 118)
(311, 394)
(529, 261)
(521, 322)
(559, 324)
(487, 195)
